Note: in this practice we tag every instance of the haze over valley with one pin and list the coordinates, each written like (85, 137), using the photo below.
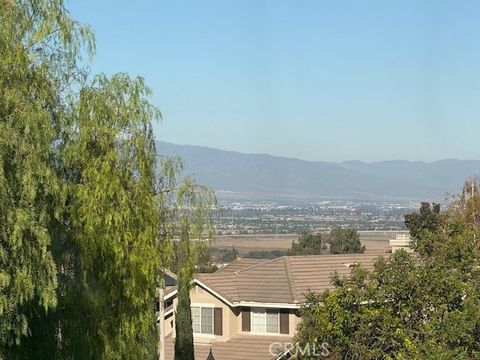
(235, 175)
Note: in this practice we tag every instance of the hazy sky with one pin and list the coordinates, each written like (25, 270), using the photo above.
(319, 80)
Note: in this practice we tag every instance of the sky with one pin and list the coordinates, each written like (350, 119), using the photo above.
(327, 80)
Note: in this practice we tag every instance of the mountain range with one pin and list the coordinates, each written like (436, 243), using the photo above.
(265, 176)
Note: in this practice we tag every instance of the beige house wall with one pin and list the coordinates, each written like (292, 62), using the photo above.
(200, 296)
(231, 318)
(294, 321)
(169, 323)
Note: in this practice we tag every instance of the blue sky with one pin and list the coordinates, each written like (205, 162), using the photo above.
(318, 80)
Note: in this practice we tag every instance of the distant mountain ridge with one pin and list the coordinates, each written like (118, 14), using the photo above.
(260, 175)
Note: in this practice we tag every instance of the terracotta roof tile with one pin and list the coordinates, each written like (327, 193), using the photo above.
(240, 264)
(240, 347)
(283, 280)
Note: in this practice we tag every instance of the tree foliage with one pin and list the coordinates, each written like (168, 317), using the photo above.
(411, 306)
(309, 244)
(186, 211)
(88, 213)
(265, 254)
(466, 206)
(184, 349)
(337, 241)
(345, 241)
(427, 219)
(38, 47)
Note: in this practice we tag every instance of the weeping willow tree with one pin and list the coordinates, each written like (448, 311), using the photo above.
(186, 212)
(88, 214)
(38, 47)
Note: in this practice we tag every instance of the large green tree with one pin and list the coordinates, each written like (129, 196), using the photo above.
(345, 241)
(186, 226)
(337, 241)
(38, 47)
(427, 219)
(184, 349)
(411, 306)
(309, 244)
(88, 213)
(190, 225)
(401, 310)
(113, 248)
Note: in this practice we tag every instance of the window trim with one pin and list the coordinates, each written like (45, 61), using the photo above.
(264, 310)
(204, 306)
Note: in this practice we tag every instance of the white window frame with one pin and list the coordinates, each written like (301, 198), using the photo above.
(264, 311)
(204, 306)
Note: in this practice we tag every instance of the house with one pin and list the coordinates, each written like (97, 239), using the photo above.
(250, 308)
(401, 242)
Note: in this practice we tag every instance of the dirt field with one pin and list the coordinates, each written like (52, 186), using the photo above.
(374, 241)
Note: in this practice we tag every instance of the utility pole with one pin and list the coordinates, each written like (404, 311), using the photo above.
(160, 320)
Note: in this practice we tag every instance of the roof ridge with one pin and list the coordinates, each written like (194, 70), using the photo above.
(241, 261)
(237, 289)
(169, 273)
(256, 265)
(291, 282)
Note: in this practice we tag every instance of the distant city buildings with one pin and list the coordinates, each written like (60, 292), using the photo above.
(266, 217)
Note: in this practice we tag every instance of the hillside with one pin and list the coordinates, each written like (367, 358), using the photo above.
(261, 175)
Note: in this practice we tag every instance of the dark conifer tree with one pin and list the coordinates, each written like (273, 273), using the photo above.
(184, 349)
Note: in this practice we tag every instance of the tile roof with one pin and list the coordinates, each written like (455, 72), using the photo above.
(283, 280)
(240, 264)
(169, 290)
(239, 347)
(170, 282)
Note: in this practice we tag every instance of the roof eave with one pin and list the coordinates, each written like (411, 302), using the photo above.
(247, 303)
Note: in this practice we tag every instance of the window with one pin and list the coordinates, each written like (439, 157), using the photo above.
(265, 320)
(202, 320)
